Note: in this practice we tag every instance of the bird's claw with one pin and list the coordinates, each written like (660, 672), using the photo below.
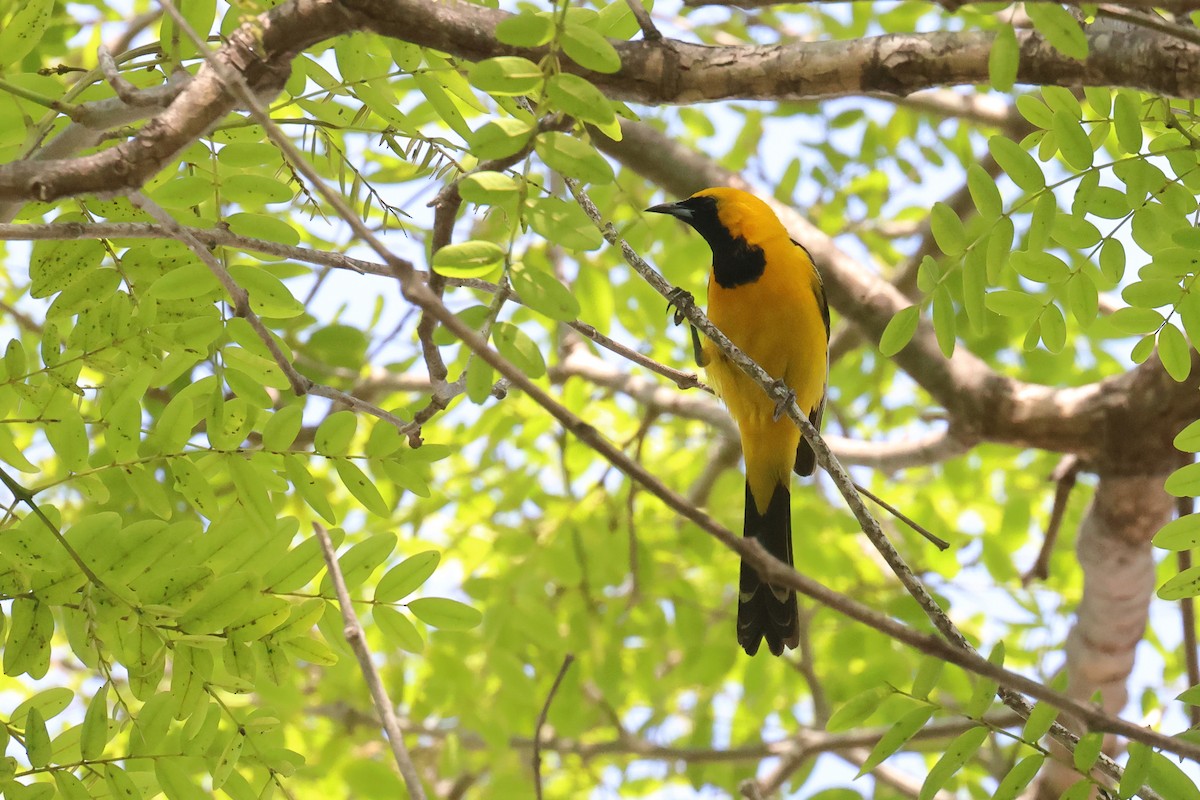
(680, 299)
(781, 406)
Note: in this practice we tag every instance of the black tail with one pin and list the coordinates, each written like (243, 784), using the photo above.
(764, 611)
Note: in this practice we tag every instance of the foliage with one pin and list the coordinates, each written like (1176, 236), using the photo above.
(169, 624)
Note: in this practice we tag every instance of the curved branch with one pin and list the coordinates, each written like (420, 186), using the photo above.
(660, 71)
(1122, 425)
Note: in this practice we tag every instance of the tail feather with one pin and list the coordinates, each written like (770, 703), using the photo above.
(766, 612)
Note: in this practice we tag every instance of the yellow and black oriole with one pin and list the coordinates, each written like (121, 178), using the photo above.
(766, 295)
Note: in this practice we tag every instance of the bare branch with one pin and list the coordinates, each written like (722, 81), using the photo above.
(541, 722)
(1187, 613)
(1064, 476)
(358, 643)
(1173, 6)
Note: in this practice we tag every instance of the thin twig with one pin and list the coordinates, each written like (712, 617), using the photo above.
(1064, 476)
(358, 643)
(1187, 612)
(649, 32)
(938, 542)
(541, 722)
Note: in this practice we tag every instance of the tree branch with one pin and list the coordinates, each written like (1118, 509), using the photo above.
(358, 643)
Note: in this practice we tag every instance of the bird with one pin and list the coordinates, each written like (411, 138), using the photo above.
(765, 294)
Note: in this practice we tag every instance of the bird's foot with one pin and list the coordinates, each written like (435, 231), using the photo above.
(781, 406)
(681, 300)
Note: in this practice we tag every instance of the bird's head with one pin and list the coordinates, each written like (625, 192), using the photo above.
(723, 213)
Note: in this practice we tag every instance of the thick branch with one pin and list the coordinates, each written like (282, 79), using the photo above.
(660, 71)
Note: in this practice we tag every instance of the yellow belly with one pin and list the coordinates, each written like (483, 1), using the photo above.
(777, 322)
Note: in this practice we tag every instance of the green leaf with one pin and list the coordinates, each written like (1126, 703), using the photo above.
(947, 229)
(1184, 584)
(899, 331)
(1060, 29)
(37, 739)
(1169, 780)
(480, 378)
(55, 266)
(895, 737)
(120, 785)
(228, 760)
(1152, 293)
(1083, 299)
(1127, 119)
(1073, 143)
(1073, 231)
(1019, 777)
(263, 226)
(1174, 352)
(268, 296)
(957, 753)
(1137, 770)
(1142, 350)
(445, 106)
(93, 735)
(1188, 439)
(1059, 98)
(563, 223)
(1034, 110)
(398, 629)
(1010, 303)
(526, 30)
(589, 49)
(1039, 266)
(335, 433)
(308, 487)
(406, 577)
(984, 693)
(195, 488)
(1039, 722)
(577, 97)
(984, 193)
(185, 282)
(489, 188)
(308, 649)
(69, 787)
(506, 76)
(944, 322)
(974, 277)
(518, 348)
(1004, 60)
(27, 649)
(471, 259)
(1054, 328)
(362, 487)
(1179, 534)
(1016, 163)
(927, 677)
(857, 710)
(24, 30)
(500, 138)
(282, 428)
(219, 604)
(361, 560)
(444, 613)
(543, 293)
(1087, 751)
(175, 782)
(573, 157)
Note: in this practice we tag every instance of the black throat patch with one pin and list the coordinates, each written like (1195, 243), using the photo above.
(735, 261)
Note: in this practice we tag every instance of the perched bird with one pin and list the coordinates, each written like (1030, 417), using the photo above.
(766, 295)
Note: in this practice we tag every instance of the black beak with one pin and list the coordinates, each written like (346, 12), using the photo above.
(677, 210)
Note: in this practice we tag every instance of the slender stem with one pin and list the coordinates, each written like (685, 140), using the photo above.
(358, 643)
(541, 722)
